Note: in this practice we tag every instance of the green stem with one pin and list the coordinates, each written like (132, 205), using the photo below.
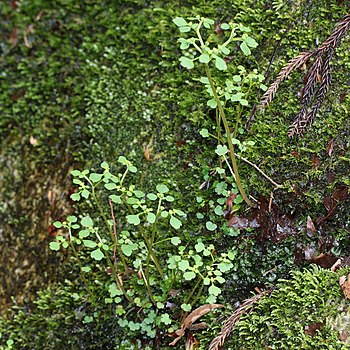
(200, 279)
(148, 286)
(116, 278)
(80, 265)
(149, 246)
(114, 239)
(229, 140)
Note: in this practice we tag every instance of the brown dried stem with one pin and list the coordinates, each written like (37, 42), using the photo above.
(228, 326)
(320, 71)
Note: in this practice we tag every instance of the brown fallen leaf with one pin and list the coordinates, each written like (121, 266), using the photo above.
(193, 317)
(310, 227)
(324, 260)
(343, 336)
(336, 265)
(311, 329)
(191, 342)
(345, 285)
(146, 154)
(330, 147)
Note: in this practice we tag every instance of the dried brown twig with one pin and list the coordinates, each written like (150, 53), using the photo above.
(319, 72)
(226, 330)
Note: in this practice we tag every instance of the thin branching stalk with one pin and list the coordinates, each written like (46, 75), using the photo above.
(79, 263)
(116, 245)
(229, 140)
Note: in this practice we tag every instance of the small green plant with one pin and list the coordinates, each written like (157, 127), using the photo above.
(215, 50)
(141, 265)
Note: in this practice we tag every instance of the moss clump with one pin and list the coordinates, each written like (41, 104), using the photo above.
(299, 314)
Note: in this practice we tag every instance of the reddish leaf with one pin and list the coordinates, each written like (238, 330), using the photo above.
(295, 154)
(340, 193)
(345, 285)
(238, 222)
(230, 201)
(14, 4)
(191, 342)
(343, 336)
(324, 260)
(193, 317)
(312, 329)
(309, 253)
(315, 162)
(330, 147)
(218, 29)
(146, 154)
(310, 227)
(329, 203)
(13, 38)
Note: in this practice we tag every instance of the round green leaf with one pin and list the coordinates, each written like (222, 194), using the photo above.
(152, 196)
(179, 21)
(115, 199)
(72, 218)
(110, 186)
(86, 221)
(175, 240)
(94, 177)
(224, 26)
(58, 224)
(162, 188)
(250, 42)
(175, 222)
(85, 194)
(186, 62)
(221, 150)
(55, 246)
(214, 290)
(84, 233)
(88, 243)
(225, 266)
(204, 133)
(139, 194)
(165, 318)
(104, 165)
(169, 198)
(184, 29)
(199, 247)
(127, 249)
(204, 58)
(245, 49)
(220, 63)
(184, 44)
(186, 307)
(210, 226)
(151, 218)
(133, 219)
(122, 160)
(189, 275)
(212, 103)
(97, 254)
(183, 265)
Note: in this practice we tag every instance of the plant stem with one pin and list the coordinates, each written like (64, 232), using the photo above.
(114, 237)
(229, 140)
(79, 263)
(116, 245)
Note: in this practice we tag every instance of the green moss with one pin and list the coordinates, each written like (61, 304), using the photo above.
(299, 314)
(100, 80)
